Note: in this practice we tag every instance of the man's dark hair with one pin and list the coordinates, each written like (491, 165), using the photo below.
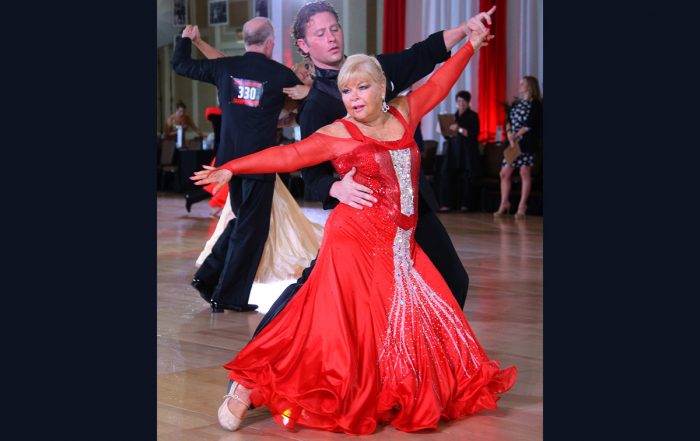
(179, 104)
(304, 15)
(466, 96)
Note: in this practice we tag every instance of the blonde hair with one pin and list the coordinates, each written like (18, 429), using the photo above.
(360, 64)
(305, 65)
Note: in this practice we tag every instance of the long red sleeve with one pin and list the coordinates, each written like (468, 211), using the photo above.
(429, 95)
(313, 150)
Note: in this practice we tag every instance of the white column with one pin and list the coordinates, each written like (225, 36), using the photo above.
(380, 26)
(168, 81)
(277, 17)
(354, 18)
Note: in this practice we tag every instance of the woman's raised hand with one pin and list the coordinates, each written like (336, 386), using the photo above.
(480, 38)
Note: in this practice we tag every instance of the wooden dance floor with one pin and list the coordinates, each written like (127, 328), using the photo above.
(503, 258)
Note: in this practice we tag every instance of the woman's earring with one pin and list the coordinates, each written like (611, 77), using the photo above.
(385, 106)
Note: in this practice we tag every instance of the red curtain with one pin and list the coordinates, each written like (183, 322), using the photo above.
(492, 73)
(394, 38)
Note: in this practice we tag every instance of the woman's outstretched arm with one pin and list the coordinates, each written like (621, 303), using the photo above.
(313, 150)
(429, 95)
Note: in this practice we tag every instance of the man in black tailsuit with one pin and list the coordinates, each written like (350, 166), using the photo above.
(319, 37)
(250, 93)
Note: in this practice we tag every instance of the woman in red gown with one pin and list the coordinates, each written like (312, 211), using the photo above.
(374, 335)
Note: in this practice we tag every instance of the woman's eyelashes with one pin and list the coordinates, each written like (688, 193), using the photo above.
(360, 87)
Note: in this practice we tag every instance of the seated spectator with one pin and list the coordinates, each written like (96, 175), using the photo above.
(182, 119)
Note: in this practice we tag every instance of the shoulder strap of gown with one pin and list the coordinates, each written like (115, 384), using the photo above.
(394, 111)
(352, 129)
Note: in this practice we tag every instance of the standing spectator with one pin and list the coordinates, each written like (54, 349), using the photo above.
(523, 123)
(461, 171)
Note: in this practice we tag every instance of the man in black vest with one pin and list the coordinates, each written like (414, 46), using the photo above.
(250, 92)
(319, 37)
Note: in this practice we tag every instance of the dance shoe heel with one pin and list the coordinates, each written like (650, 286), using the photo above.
(503, 209)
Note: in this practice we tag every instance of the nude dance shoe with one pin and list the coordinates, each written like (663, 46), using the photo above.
(227, 419)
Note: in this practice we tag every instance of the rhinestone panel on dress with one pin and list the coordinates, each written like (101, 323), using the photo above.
(420, 322)
(401, 159)
(419, 318)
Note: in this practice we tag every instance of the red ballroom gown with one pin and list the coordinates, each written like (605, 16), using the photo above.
(374, 335)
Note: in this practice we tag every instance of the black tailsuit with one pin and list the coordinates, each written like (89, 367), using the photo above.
(250, 93)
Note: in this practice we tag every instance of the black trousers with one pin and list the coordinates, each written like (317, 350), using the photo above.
(453, 188)
(460, 174)
(430, 235)
(235, 257)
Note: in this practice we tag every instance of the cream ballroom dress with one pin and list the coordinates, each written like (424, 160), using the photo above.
(292, 243)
